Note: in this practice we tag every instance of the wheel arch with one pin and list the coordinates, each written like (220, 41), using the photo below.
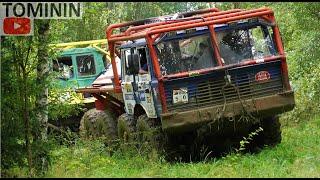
(139, 110)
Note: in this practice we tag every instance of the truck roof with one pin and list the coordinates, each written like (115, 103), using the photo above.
(72, 51)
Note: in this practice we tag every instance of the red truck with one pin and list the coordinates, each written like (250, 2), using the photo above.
(207, 74)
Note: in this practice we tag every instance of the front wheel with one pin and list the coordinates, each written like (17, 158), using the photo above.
(149, 132)
(126, 128)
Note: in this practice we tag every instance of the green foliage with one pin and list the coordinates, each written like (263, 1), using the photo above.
(299, 23)
(19, 90)
(63, 102)
(247, 140)
(12, 125)
(94, 15)
(100, 15)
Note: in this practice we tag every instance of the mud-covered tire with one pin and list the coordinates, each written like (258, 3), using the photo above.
(149, 132)
(97, 123)
(271, 131)
(126, 128)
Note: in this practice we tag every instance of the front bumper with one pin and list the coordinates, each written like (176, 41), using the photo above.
(264, 106)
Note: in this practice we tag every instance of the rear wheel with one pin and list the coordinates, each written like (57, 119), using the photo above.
(97, 123)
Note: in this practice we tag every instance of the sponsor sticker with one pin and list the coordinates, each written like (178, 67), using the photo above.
(262, 76)
(192, 74)
(128, 87)
(128, 97)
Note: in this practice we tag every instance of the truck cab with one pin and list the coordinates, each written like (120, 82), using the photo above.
(79, 67)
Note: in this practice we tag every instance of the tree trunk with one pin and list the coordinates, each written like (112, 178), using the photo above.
(42, 74)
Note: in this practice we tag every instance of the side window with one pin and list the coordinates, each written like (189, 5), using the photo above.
(86, 65)
(143, 61)
(143, 64)
(124, 55)
(63, 65)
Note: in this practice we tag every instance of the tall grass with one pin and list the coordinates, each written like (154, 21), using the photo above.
(297, 156)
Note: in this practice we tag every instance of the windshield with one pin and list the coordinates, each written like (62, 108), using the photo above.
(185, 54)
(243, 44)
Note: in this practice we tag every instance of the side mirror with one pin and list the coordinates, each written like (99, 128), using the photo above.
(133, 63)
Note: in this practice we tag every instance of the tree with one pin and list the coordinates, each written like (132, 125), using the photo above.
(16, 53)
(42, 74)
(24, 68)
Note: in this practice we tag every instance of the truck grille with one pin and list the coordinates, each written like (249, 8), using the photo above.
(206, 90)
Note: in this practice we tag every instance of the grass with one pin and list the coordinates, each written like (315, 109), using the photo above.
(297, 156)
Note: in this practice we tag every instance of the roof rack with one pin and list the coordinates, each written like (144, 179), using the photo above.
(139, 30)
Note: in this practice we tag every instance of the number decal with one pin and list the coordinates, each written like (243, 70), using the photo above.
(180, 95)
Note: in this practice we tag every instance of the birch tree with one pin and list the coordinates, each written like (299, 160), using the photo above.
(42, 75)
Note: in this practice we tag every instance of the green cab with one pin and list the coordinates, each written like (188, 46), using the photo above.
(79, 67)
